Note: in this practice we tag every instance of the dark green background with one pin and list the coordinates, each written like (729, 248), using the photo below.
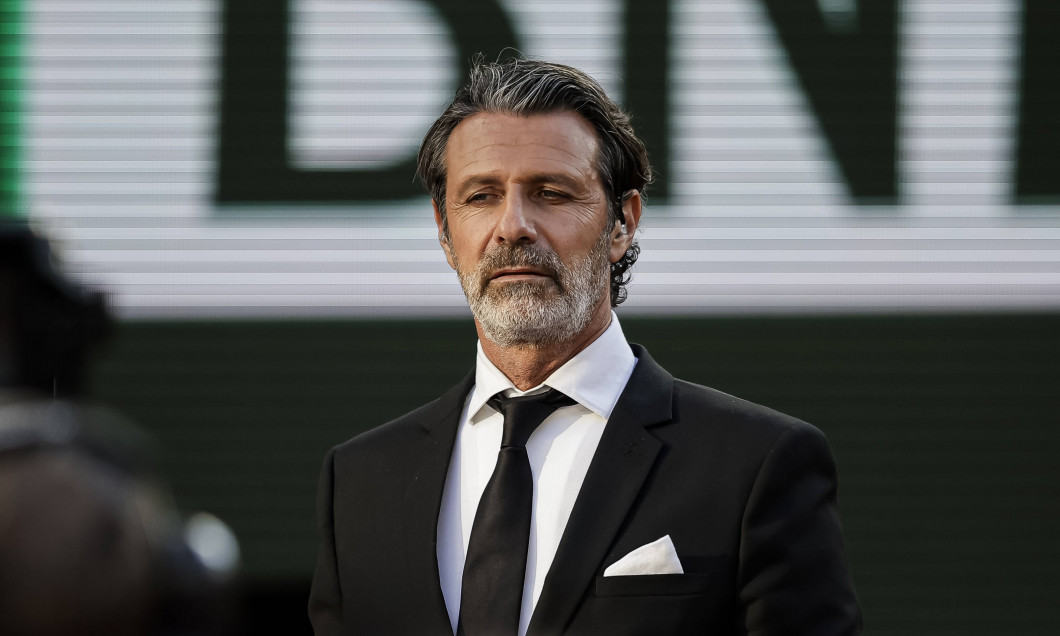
(946, 430)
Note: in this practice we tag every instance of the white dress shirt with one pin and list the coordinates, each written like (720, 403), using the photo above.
(560, 451)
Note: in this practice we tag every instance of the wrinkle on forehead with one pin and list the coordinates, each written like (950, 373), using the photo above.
(560, 142)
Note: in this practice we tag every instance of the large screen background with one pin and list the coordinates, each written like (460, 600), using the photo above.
(778, 195)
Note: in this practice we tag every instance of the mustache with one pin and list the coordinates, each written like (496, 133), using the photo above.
(519, 255)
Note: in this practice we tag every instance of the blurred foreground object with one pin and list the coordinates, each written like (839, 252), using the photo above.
(90, 540)
(48, 325)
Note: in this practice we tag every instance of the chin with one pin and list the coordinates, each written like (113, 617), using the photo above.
(531, 320)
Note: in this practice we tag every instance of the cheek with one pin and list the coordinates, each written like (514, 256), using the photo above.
(463, 236)
(465, 253)
(469, 230)
(578, 234)
(585, 219)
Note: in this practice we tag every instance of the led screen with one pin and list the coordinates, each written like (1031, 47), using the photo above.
(252, 157)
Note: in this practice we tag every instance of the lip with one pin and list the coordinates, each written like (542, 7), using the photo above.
(518, 273)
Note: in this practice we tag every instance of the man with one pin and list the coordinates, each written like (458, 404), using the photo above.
(650, 505)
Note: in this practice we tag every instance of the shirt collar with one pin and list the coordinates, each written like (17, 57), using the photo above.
(594, 378)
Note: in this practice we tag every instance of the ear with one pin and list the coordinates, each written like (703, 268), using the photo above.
(622, 236)
(441, 237)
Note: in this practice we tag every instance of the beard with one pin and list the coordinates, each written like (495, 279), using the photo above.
(536, 313)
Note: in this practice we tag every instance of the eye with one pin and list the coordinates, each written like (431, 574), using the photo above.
(479, 197)
(552, 195)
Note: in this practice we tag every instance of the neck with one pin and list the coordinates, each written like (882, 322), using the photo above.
(529, 365)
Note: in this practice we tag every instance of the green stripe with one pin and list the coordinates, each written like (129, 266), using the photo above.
(10, 108)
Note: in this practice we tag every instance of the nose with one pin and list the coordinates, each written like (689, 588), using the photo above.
(515, 224)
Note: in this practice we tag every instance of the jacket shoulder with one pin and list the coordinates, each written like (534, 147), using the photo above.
(732, 417)
(395, 434)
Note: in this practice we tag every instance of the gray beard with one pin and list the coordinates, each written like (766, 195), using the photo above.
(535, 314)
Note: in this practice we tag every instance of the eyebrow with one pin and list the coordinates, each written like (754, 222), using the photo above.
(473, 182)
(536, 178)
(558, 178)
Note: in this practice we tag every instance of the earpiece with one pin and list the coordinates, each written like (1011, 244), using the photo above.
(622, 202)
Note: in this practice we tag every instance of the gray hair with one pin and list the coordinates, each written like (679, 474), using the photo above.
(530, 87)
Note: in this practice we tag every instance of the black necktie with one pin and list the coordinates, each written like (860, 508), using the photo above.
(491, 592)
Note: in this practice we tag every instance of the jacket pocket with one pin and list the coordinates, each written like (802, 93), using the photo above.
(653, 585)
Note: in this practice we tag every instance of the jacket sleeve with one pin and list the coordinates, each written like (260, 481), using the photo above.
(793, 575)
(325, 597)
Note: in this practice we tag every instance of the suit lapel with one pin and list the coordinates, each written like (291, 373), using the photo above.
(428, 461)
(622, 461)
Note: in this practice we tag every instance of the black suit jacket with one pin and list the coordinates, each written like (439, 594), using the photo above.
(747, 495)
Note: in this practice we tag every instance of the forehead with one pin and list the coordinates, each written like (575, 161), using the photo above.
(509, 145)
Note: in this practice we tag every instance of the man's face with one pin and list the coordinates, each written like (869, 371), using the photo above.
(528, 225)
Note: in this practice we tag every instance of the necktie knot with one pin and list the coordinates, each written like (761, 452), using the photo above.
(524, 413)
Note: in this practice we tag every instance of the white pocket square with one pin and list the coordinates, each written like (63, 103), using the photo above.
(658, 557)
